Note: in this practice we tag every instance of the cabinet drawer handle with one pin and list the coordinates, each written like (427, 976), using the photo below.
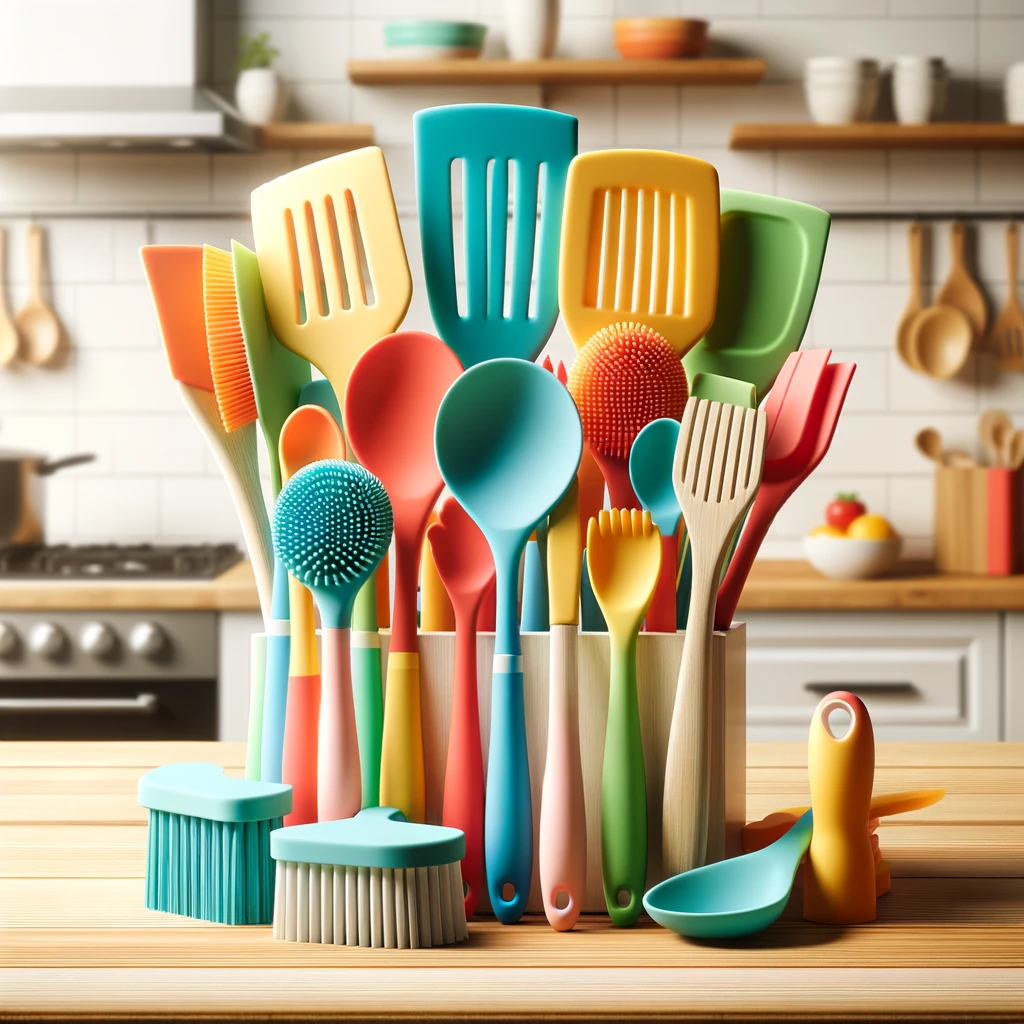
(881, 689)
(143, 704)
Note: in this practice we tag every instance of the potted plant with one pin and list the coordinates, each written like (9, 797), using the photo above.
(259, 92)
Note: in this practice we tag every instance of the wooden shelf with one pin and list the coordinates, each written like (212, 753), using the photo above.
(311, 135)
(869, 135)
(556, 72)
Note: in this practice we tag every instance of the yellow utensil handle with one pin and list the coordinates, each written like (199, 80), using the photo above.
(402, 782)
(303, 659)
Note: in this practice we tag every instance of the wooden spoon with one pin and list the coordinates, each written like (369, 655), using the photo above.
(10, 343)
(1015, 450)
(960, 291)
(1006, 339)
(40, 329)
(916, 302)
(929, 443)
(941, 339)
(995, 428)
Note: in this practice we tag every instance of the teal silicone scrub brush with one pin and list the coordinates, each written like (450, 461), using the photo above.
(372, 880)
(208, 848)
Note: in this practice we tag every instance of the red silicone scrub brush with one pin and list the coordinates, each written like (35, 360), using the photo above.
(626, 376)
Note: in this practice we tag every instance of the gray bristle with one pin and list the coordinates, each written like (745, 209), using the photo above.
(332, 523)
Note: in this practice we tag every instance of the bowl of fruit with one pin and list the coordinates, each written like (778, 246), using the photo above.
(852, 544)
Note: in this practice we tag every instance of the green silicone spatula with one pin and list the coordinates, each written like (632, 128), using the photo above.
(772, 252)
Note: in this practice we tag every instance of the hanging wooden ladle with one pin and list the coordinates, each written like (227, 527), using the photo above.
(961, 291)
(41, 332)
(10, 342)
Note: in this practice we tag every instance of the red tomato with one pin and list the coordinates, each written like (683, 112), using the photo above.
(841, 512)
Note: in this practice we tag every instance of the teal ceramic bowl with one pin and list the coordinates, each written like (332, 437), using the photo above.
(442, 36)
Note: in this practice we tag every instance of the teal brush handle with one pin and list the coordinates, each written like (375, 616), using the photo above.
(368, 694)
(535, 592)
(623, 791)
(275, 698)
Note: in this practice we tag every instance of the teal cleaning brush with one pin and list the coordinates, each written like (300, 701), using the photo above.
(208, 849)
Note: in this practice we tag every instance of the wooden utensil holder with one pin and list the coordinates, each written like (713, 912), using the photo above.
(977, 521)
(658, 656)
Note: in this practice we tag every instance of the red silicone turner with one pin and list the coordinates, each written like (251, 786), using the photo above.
(803, 412)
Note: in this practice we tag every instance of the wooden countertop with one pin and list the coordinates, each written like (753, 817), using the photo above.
(76, 940)
(234, 590)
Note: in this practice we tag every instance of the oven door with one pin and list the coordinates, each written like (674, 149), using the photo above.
(108, 709)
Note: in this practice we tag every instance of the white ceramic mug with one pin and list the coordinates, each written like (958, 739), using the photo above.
(1013, 94)
(915, 88)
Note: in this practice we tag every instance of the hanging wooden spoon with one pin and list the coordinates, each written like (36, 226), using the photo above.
(929, 443)
(915, 303)
(995, 429)
(1006, 339)
(941, 339)
(40, 328)
(961, 290)
(10, 342)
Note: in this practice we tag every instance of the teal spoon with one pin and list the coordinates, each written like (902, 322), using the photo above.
(735, 897)
(508, 442)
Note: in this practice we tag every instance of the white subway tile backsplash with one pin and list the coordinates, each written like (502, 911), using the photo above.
(321, 101)
(115, 316)
(806, 509)
(128, 236)
(235, 175)
(312, 49)
(585, 38)
(1001, 177)
(939, 177)
(60, 509)
(203, 231)
(1000, 44)
(128, 381)
(858, 251)
(933, 8)
(143, 179)
(823, 8)
(852, 317)
(848, 178)
(139, 445)
(751, 172)
(594, 106)
(647, 116)
(117, 510)
(709, 113)
(52, 435)
(914, 392)
(41, 390)
(868, 389)
(647, 8)
(912, 504)
(27, 178)
(197, 509)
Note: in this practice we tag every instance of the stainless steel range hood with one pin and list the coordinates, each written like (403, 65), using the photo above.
(111, 74)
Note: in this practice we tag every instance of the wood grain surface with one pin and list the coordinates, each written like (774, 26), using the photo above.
(76, 940)
(878, 135)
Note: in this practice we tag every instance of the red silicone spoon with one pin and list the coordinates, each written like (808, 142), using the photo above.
(464, 563)
(391, 402)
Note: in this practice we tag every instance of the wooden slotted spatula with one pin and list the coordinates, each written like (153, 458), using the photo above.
(332, 259)
(507, 152)
(640, 242)
(1006, 339)
(716, 473)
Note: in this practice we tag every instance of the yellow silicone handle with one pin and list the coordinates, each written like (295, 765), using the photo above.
(402, 782)
(302, 654)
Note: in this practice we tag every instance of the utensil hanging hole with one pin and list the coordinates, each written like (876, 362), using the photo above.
(317, 286)
(511, 212)
(624, 897)
(595, 251)
(365, 290)
(296, 267)
(339, 267)
(562, 900)
(460, 244)
(538, 213)
(508, 892)
(838, 718)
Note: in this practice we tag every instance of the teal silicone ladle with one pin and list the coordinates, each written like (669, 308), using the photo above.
(508, 442)
(735, 897)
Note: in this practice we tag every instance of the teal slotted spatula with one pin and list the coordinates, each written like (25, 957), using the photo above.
(507, 152)
(772, 251)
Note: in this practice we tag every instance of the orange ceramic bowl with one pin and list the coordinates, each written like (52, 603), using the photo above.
(660, 38)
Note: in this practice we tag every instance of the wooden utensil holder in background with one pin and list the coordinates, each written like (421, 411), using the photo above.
(977, 520)
(658, 656)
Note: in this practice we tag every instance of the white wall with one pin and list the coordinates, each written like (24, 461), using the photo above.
(154, 479)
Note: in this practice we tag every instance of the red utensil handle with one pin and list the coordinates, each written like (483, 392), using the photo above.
(620, 487)
(661, 615)
(299, 755)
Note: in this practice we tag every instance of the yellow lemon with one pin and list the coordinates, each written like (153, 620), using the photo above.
(870, 527)
(826, 531)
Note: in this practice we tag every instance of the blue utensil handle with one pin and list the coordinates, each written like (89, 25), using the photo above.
(508, 816)
(275, 699)
(535, 592)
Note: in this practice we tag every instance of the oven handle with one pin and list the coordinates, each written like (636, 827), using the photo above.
(143, 704)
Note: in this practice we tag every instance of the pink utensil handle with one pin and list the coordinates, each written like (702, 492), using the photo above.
(339, 781)
(299, 754)
(463, 805)
(563, 822)
(616, 475)
(661, 615)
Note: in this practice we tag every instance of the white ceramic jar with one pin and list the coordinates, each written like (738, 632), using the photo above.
(260, 95)
(531, 28)
(918, 88)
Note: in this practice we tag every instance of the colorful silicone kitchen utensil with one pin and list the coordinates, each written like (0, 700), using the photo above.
(277, 377)
(728, 390)
(915, 304)
(208, 842)
(372, 880)
(562, 850)
(10, 339)
(465, 564)
(368, 686)
(511, 286)
(508, 442)
(591, 619)
(740, 896)
(640, 241)
(716, 473)
(839, 883)
(811, 414)
(43, 341)
(534, 617)
(650, 470)
(626, 376)
(1006, 338)
(390, 406)
(175, 276)
(772, 251)
(310, 434)
(624, 551)
(332, 526)
(332, 259)
(960, 291)
(436, 612)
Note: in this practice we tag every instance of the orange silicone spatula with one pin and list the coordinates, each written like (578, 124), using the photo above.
(390, 405)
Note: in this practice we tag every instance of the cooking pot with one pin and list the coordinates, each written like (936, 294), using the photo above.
(21, 493)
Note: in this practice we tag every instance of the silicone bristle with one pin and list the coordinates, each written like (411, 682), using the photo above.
(332, 523)
(231, 380)
(626, 376)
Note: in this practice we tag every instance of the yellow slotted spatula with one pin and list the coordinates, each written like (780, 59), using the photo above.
(640, 240)
(332, 259)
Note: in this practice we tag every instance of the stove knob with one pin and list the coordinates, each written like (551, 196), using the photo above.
(9, 642)
(48, 640)
(97, 639)
(147, 639)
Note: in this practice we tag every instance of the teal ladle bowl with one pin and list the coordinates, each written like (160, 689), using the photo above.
(508, 442)
(734, 897)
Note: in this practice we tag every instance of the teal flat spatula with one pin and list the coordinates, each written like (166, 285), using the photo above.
(512, 153)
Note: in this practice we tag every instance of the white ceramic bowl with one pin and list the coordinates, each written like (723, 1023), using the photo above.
(842, 558)
(837, 102)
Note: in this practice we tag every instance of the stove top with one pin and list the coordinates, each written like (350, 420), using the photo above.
(116, 561)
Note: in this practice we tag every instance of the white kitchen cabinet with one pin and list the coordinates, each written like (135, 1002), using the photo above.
(1013, 678)
(234, 638)
(924, 676)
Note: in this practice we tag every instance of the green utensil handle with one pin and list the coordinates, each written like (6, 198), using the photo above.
(623, 791)
(368, 695)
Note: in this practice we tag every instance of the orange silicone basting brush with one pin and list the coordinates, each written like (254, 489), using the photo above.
(626, 376)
